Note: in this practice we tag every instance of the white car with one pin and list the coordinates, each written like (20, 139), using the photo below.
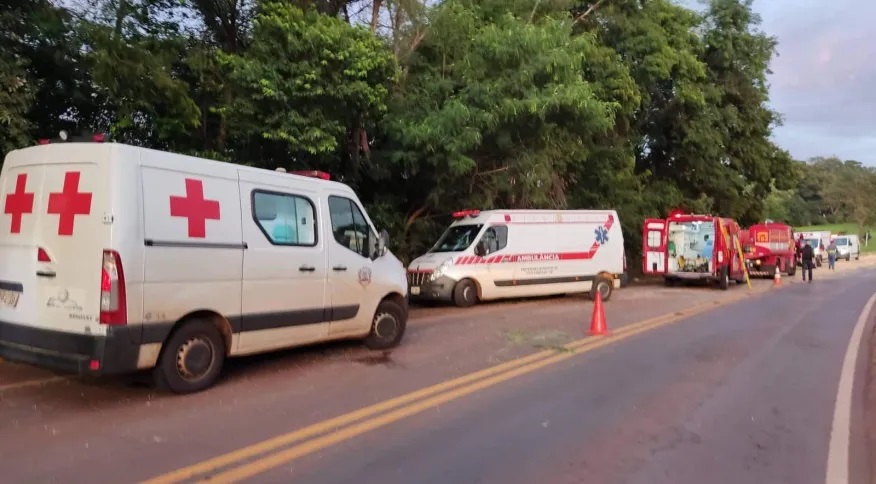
(847, 247)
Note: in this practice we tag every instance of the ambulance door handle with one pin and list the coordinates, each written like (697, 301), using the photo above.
(339, 268)
(307, 269)
(46, 273)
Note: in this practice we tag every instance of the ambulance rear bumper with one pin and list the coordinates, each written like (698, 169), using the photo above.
(82, 354)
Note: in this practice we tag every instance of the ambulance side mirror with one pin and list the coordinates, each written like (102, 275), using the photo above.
(480, 249)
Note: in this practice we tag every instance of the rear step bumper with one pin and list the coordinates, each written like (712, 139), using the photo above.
(115, 353)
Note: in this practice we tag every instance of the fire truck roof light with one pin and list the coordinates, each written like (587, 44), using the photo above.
(312, 174)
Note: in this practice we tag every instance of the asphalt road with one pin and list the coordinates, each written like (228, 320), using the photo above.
(694, 385)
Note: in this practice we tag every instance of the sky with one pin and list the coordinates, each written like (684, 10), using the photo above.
(824, 78)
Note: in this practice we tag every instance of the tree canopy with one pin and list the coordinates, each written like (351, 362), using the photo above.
(429, 107)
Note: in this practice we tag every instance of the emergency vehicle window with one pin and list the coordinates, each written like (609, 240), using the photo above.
(495, 239)
(457, 238)
(285, 219)
(349, 226)
(655, 239)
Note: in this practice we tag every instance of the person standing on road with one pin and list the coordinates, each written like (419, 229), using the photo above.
(807, 253)
(798, 249)
(831, 255)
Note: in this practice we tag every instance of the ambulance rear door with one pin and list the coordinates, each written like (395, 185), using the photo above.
(654, 246)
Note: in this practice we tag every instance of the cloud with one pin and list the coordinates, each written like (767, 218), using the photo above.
(824, 77)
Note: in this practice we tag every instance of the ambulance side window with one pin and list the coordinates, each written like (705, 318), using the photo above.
(349, 226)
(495, 238)
(285, 219)
(655, 239)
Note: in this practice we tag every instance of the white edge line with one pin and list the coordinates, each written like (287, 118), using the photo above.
(838, 450)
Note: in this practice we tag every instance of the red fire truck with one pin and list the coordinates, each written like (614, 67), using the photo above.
(688, 247)
(769, 245)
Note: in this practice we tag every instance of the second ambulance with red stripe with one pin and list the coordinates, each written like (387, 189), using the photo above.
(496, 254)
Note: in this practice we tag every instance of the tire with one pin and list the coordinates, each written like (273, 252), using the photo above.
(849, 257)
(465, 294)
(191, 359)
(724, 281)
(818, 262)
(669, 282)
(603, 285)
(387, 327)
(792, 267)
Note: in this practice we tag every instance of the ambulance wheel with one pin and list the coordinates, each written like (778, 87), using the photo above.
(818, 262)
(602, 285)
(191, 359)
(465, 294)
(724, 282)
(849, 257)
(388, 326)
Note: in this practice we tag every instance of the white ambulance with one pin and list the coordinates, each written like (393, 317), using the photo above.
(819, 240)
(115, 258)
(486, 255)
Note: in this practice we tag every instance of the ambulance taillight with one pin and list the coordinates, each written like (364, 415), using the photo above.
(42, 255)
(113, 307)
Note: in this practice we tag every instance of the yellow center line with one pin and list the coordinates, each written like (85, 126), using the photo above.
(512, 368)
(283, 457)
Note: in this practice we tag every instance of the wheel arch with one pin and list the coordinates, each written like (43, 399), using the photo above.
(395, 298)
(222, 324)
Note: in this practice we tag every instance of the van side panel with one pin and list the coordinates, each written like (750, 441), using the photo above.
(551, 252)
(193, 246)
(285, 265)
(579, 247)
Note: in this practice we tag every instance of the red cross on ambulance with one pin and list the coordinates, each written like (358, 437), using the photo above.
(194, 208)
(68, 203)
(18, 203)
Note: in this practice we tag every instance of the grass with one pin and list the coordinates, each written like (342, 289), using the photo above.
(848, 228)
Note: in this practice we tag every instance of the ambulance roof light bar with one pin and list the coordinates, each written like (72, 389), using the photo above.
(309, 173)
(64, 136)
(466, 213)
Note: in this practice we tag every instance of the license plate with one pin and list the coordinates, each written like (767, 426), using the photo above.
(9, 298)
(415, 291)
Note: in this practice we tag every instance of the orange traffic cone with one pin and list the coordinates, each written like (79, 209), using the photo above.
(777, 279)
(597, 323)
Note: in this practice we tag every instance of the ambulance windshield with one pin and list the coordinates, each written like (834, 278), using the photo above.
(457, 238)
(813, 242)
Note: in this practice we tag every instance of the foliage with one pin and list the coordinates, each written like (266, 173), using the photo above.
(830, 191)
(309, 83)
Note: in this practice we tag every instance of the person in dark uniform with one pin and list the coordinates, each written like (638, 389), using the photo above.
(807, 254)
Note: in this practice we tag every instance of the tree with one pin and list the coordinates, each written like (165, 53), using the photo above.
(492, 111)
(308, 87)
